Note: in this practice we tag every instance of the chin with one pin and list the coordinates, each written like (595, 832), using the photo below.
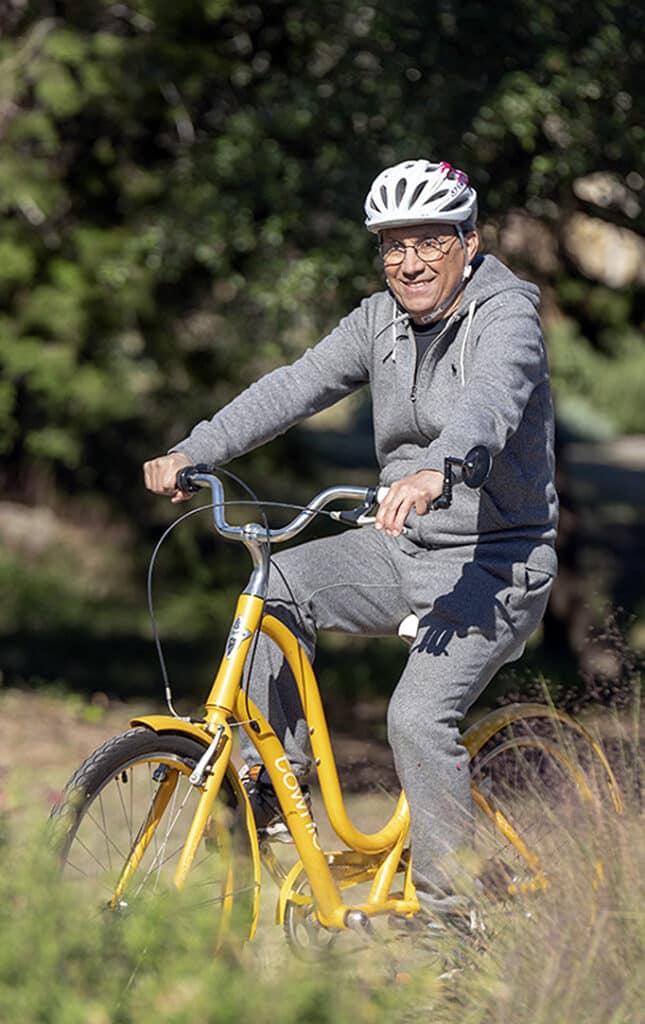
(418, 313)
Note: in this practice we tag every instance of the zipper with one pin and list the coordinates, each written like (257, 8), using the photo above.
(417, 369)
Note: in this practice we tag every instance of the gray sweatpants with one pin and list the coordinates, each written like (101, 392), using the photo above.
(476, 611)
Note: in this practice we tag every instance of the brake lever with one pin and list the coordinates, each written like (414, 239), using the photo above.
(357, 516)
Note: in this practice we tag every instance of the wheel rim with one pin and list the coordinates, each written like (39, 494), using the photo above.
(538, 788)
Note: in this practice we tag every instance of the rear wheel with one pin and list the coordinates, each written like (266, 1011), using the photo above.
(546, 800)
(123, 822)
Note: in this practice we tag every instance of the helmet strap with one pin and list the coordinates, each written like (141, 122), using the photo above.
(467, 271)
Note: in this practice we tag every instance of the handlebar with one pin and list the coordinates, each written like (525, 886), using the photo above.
(475, 468)
(192, 478)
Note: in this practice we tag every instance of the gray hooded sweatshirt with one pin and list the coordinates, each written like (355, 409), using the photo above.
(484, 380)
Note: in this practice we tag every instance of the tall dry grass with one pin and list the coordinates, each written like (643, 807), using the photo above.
(572, 955)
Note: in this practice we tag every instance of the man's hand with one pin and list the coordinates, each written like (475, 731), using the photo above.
(160, 475)
(416, 491)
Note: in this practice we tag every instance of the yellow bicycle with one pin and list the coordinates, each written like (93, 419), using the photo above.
(162, 804)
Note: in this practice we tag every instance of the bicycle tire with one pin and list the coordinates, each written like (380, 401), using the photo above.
(107, 806)
(544, 777)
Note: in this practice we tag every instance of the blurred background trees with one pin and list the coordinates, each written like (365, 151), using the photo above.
(181, 189)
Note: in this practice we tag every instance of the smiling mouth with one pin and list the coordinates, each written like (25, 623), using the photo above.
(416, 284)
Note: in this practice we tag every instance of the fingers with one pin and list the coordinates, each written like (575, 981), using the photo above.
(412, 492)
(394, 511)
(160, 475)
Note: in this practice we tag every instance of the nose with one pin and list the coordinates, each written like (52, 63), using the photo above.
(412, 264)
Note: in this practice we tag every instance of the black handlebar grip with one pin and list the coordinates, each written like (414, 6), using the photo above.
(184, 481)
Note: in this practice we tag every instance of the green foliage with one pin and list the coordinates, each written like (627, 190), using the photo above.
(47, 597)
(182, 186)
(181, 189)
(61, 964)
(599, 393)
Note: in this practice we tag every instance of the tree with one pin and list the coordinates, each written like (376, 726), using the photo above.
(181, 183)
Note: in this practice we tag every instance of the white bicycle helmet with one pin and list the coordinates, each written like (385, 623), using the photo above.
(418, 192)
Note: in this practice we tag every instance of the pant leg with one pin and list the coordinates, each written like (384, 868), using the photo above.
(479, 622)
(348, 583)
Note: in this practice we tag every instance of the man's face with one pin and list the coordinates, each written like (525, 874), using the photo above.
(422, 285)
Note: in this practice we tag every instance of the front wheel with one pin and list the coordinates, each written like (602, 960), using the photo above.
(123, 822)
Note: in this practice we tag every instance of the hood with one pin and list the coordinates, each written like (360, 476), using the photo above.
(489, 279)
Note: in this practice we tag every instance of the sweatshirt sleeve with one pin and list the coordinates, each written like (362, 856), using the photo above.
(325, 373)
(509, 363)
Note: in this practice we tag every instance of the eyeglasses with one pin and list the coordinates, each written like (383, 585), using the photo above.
(429, 250)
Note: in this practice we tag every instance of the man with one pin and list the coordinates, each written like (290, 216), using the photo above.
(454, 356)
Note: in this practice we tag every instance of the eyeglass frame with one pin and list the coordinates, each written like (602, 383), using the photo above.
(442, 253)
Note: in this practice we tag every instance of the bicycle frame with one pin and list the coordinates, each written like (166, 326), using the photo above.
(227, 700)
(374, 857)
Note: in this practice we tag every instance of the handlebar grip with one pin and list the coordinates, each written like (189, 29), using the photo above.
(184, 481)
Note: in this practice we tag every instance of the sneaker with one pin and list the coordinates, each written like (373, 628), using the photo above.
(444, 933)
(269, 819)
(451, 913)
(436, 916)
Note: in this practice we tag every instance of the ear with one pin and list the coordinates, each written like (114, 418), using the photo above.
(472, 244)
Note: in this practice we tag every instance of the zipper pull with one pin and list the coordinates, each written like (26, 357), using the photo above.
(413, 393)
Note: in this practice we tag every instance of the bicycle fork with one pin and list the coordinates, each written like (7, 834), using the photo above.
(208, 775)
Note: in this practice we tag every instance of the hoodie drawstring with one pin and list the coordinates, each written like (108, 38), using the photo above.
(393, 323)
(400, 317)
(471, 313)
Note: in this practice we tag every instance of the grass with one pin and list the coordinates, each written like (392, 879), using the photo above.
(566, 957)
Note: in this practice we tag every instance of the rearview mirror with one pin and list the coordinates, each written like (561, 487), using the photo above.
(476, 466)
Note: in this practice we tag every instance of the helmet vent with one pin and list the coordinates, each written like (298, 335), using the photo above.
(416, 194)
(401, 186)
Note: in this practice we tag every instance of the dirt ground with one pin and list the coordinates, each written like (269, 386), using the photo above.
(44, 736)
